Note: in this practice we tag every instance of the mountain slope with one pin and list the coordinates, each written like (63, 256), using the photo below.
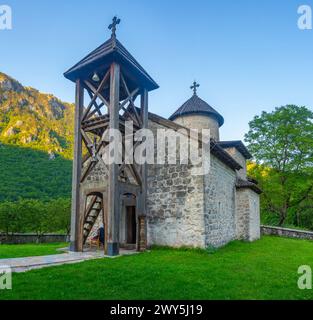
(29, 174)
(36, 143)
(33, 119)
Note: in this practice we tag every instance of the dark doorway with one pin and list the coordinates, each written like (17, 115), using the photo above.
(131, 224)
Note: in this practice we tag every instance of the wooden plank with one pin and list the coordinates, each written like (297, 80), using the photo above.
(76, 241)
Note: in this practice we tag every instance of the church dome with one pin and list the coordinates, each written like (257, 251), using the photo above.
(196, 105)
(197, 114)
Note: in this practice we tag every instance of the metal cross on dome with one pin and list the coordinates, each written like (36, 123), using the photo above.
(194, 87)
(113, 25)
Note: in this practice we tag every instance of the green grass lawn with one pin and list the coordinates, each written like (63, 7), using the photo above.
(27, 250)
(265, 269)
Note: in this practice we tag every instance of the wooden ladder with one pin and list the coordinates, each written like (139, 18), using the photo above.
(92, 212)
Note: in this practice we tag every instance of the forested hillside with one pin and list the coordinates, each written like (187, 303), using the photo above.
(36, 139)
(33, 119)
(29, 174)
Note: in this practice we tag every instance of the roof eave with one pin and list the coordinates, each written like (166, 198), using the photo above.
(238, 145)
(253, 188)
(218, 117)
(115, 54)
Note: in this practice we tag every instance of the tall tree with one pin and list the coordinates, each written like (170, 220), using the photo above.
(282, 144)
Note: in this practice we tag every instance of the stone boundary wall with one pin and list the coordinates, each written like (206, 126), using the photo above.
(285, 232)
(22, 238)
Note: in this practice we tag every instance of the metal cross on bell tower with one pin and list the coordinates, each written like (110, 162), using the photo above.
(194, 87)
(113, 25)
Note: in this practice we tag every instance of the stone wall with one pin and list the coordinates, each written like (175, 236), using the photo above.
(219, 204)
(242, 214)
(174, 204)
(190, 210)
(247, 215)
(21, 238)
(254, 221)
(285, 232)
(200, 122)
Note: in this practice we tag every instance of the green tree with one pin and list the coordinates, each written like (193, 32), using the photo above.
(10, 218)
(282, 144)
(35, 216)
(60, 214)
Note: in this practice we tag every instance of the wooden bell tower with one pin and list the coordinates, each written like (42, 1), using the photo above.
(109, 81)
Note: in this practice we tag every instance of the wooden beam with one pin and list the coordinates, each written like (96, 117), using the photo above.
(135, 173)
(90, 166)
(100, 125)
(90, 205)
(94, 97)
(87, 141)
(94, 90)
(94, 111)
(76, 234)
(131, 95)
(144, 168)
(130, 99)
(91, 103)
(135, 121)
(113, 185)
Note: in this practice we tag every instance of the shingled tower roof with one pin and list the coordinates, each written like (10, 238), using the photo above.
(196, 105)
(102, 57)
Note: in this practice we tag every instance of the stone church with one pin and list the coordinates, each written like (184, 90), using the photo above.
(156, 204)
(205, 210)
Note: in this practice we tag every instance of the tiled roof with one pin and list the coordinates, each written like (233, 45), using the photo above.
(240, 184)
(196, 105)
(238, 145)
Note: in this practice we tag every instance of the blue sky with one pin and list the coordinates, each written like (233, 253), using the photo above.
(247, 55)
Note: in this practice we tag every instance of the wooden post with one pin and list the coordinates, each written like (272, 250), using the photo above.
(77, 166)
(138, 213)
(113, 183)
(105, 221)
(144, 173)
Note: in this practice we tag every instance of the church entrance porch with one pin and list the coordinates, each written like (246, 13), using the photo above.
(131, 224)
